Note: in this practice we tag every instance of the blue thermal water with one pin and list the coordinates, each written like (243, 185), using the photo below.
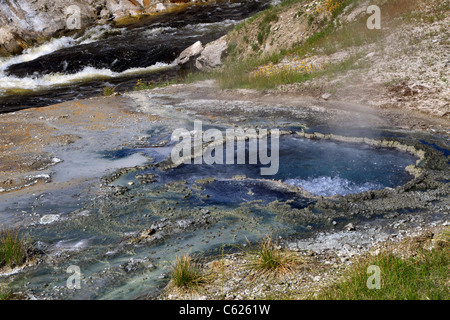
(323, 168)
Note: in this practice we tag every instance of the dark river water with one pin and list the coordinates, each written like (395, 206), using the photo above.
(73, 68)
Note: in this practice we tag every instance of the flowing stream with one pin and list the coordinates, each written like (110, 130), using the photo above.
(78, 67)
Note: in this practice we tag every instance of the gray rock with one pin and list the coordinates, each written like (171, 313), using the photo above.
(349, 227)
(326, 96)
(188, 56)
(213, 54)
(184, 223)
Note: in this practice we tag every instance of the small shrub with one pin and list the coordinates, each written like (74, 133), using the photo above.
(255, 46)
(269, 17)
(263, 34)
(298, 14)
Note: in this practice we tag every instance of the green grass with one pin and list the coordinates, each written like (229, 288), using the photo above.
(186, 273)
(12, 248)
(331, 37)
(239, 76)
(108, 91)
(422, 277)
(237, 72)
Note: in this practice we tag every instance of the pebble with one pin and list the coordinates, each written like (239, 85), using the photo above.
(326, 96)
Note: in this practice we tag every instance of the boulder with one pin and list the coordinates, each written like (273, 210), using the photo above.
(213, 54)
(188, 57)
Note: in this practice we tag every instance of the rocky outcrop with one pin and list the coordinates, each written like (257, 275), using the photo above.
(24, 22)
(213, 54)
(188, 57)
(197, 57)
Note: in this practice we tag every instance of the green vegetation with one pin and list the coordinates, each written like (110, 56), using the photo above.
(186, 273)
(416, 268)
(5, 293)
(267, 258)
(265, 25)
(422, 276)
(239, 73)
(12, 248)
(328, 35)
(108, 91)
(140, 85)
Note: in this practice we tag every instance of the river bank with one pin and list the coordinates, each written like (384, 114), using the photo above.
(321, 263)
(314, 49)
(81, 65)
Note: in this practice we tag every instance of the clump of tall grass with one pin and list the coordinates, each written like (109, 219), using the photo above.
(109, 91)
(242, 74)
(186, 273)
(5, 293)
(12, 248)
(266, 257)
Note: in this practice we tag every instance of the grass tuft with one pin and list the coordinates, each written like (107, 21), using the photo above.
(109, 91)
(5, 293)
(12, 248)
(186, 273)
(266, 257)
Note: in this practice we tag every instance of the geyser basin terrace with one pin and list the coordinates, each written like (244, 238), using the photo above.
(125, 237)
(197, 207)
